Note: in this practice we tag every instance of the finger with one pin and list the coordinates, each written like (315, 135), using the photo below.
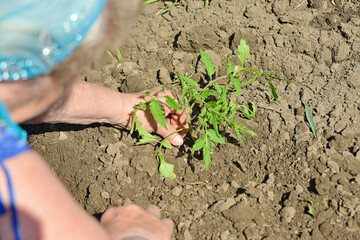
(169, 224)
(174, 139)
(153, 210)
(108, 215)
(173, 125)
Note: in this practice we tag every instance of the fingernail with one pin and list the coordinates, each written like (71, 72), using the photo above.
(178, 140)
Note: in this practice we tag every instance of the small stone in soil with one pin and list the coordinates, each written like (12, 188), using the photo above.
(251, 233)
(105, 195)
(287, 213)
(334, 167)
(187, 235)
(176, 191)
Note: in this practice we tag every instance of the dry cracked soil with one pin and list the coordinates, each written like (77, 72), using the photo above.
(261, 190)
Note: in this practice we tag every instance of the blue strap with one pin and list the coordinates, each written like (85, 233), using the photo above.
(12, 142)
(15, 221)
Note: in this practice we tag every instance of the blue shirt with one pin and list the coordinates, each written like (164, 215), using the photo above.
(13, 141)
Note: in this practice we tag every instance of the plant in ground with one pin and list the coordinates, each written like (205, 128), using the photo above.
(163, 11)
(118, 54)
(309, 209)
(217, 108)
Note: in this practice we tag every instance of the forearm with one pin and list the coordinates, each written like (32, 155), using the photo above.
(86, 103)
(46, 210)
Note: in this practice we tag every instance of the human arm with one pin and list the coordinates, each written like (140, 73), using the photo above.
(47, 211)
(86, 103)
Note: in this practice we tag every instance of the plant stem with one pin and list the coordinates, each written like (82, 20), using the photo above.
(212, 82)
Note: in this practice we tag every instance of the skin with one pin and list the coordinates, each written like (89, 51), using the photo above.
(46, 209)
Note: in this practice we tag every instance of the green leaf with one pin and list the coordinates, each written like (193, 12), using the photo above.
(207, 93)
(142, 131)
(215, 137)
(249, 113)
(213, 119)
(236, 83)
(207, 151)
(203, 112)
(245, 83)
(134, 122)
(209, 65)
(189, 81)
(273, 90)
(146, 94)
(230, 67)
(157, 111)
(166, 143)
(309, 210)
(162, 90)
(248, 131)
(307, 200)
(165, 169)
(199, 143)
(146, 140)
(119, 55)
(142, 106)
(239, 135)
(244, 51)
(150, 1)
(240, 128)
(163, 11)
(310, 120)
(172, 103)
(218, 88)
(110, 54)
(202, 122)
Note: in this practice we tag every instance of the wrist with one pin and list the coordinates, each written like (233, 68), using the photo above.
(121, 116)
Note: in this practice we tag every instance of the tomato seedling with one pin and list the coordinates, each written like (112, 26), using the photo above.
(217, 107)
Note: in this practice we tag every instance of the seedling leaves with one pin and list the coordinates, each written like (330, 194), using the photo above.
(236, 83)
(172, 103)
(310, 120)
(166, 143)
(309, 210)
(119, 55)
(189, 81)
(146, 94)
(157, 111)
(149, 1)
(165, 169)
(145, 140)
(215, 107)
(215, 137)
(142, 106)
(207, 151)
(230, 67)
(244, 51)
(207, 93)
(209, 65)
(273, 90)
(249, 113)
(199, 143)
(245, 83)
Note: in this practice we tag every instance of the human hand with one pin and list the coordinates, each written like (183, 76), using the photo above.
(133, 223)
(175, 119)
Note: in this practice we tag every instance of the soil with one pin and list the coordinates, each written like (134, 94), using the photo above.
(260, 190)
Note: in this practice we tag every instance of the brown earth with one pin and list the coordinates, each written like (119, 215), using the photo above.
(253, 191)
